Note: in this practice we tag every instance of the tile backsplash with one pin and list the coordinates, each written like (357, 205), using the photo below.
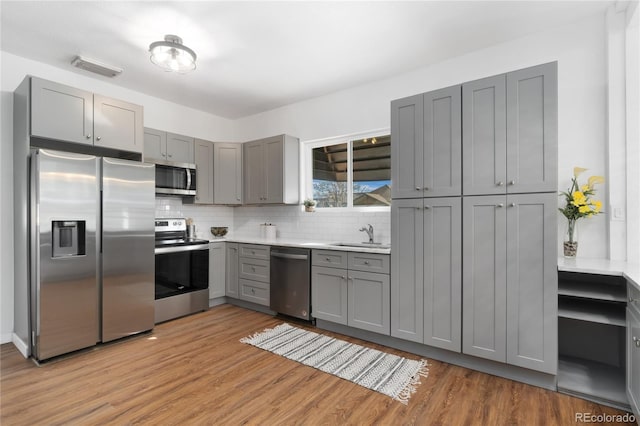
(291, 221)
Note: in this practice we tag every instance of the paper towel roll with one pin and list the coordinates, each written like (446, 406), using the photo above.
(268, 231)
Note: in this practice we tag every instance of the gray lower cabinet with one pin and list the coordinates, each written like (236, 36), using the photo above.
(227, 173)
(633, 350)
(354, 290)
(509, 132)
(510, 279)
(231, 270)
(165, 146)
(426, 271)
(271, 170)
(426, 143)
(68, 114)
(204, 171)
(217, 270)
(254, 273)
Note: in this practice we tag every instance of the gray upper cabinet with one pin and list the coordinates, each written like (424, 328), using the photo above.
(204, 169)
(180, 148)
(510, 132)
(426, 144)
(227, 173)
(484, 135)
(532, 129)
(407, 136)
(168, 147)
(271, 171)
(510, 279)
(68, 114)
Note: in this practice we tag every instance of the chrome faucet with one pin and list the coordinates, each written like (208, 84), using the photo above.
(369, 232)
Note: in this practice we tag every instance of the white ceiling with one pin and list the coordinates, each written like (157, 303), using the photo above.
(256, 56)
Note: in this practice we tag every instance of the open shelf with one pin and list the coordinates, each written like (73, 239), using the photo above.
(592, 380)
(596, 291)
(592, 311)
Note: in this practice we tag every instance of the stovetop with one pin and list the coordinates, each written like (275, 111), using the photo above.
(172, 232)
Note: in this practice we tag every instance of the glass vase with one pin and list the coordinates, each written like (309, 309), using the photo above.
(570, 245)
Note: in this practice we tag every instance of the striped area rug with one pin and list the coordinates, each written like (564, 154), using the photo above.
(388, 374)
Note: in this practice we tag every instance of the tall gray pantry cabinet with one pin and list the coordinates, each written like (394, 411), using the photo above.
(474, 181)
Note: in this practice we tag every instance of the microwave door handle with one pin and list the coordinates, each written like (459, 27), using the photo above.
(188, 178)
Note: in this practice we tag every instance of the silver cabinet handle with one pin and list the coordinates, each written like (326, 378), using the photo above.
(427, 207)
(636, 341)
(499, 205)
(343, 277)
(512, 182)
(98, 138)
(512, 205)
(89, 136)
(366, 262)
(170, 156)
(500, 183)
(327, 259)
(418, 208)
(426, 188)
(418, 188)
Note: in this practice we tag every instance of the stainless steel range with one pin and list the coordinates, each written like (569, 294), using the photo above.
(182, 271)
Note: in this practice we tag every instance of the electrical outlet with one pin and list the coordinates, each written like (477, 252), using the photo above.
(618, 214)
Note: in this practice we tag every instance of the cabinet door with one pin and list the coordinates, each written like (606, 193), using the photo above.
(407, 145)
(216, 270)
(532, 129)
(227, 173)
(484, 277)
(532, 281)
(443, 273)
(204, 172)
(155, 145)
(442, 142)
(369, 301)
(117, 124)
(231, 270)
(633, 360)
(407, 263)
(61, 112)
(253, 173)
(329, 294)
(484, 153)
(274, 167)
(180, 148)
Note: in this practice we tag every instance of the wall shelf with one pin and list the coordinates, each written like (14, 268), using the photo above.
(587, 310)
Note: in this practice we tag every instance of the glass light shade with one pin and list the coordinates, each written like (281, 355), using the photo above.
(172, 55)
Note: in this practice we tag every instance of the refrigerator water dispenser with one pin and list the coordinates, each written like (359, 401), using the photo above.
(69, 238)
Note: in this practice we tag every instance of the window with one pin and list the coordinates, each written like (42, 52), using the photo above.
(355, 172)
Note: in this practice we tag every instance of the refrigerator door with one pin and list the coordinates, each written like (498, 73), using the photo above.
(128, 263)
(64, 281)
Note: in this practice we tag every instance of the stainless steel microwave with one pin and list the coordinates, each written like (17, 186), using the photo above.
(176, 179)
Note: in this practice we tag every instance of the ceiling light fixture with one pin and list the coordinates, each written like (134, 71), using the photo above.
(172, 55)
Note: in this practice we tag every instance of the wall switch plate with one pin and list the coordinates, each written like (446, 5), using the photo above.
(618, 214)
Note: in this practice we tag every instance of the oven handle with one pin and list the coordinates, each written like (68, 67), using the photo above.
(178, 249)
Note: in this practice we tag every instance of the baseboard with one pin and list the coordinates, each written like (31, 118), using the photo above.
(22, 347)
(217, 301)
(5, 338)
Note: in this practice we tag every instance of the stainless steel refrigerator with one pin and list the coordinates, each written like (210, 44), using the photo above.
(92, 250)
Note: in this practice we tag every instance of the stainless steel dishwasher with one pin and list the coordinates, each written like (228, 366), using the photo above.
(290, 284)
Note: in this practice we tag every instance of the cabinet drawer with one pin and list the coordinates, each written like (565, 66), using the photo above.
(369, 262)
(254, 291)
(634, 298)
(331, 258)
(254, 269)
(254, 251)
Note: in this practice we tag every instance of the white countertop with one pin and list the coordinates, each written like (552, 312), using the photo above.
(630, 271)
(289, 242)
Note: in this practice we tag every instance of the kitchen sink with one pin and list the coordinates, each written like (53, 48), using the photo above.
(363, 245)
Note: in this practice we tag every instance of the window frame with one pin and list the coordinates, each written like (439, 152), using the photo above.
(307, 169)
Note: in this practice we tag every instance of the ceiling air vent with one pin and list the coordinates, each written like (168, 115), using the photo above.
(95, 66)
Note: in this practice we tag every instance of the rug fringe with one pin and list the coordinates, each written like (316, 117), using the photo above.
(250, 339)
(411, 387)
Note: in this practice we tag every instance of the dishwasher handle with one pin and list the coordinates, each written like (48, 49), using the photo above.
(289, 256)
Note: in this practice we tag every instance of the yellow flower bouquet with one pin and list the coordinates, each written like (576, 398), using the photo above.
(579, 204)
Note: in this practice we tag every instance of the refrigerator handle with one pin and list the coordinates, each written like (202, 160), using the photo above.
(99, 231)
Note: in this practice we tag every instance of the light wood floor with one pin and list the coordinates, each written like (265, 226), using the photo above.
(194, 370)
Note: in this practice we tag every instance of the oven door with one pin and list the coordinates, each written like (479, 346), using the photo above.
(176, 179)
(181, 269)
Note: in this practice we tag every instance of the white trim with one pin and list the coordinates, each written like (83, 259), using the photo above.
(22, 347)
(306, 172)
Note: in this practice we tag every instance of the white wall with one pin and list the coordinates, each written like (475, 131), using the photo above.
(158, 113)
(581, 55)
